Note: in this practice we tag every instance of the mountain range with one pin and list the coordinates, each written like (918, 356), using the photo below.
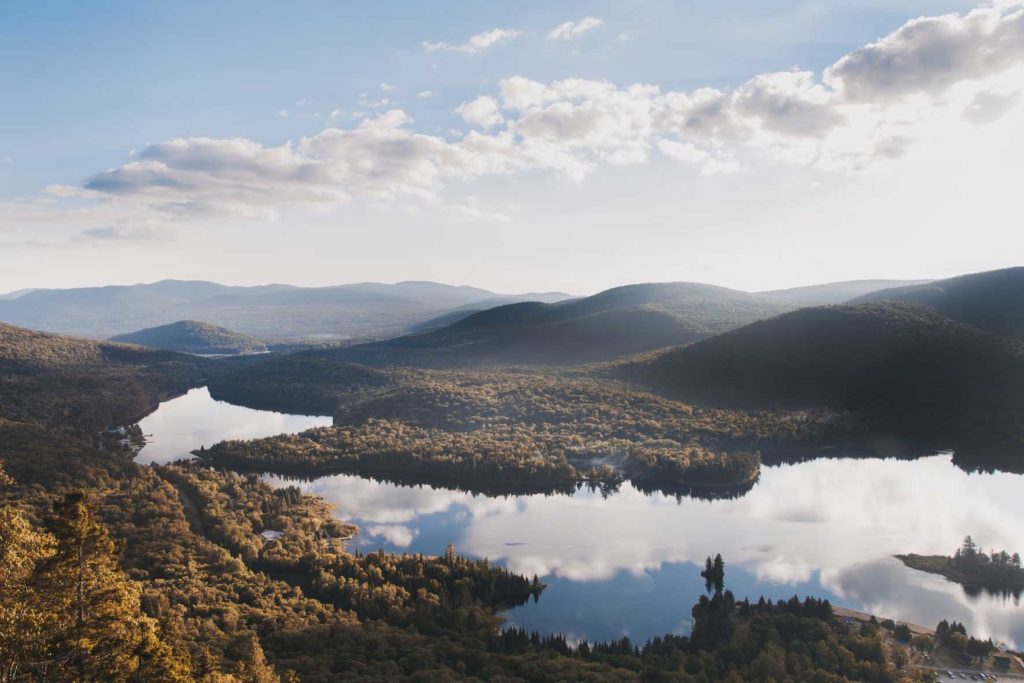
(610, 324)
(272, 312)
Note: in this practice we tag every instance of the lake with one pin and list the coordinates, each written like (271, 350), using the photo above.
(628, 564)
(183, 424)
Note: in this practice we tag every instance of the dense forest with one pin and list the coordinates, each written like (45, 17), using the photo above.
(912, 373)
(989, 301)
(517, 429)
(64, 382)
(113, 571)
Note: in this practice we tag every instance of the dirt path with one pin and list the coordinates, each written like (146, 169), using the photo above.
(192, 514)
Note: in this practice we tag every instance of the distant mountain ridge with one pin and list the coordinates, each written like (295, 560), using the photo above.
(609, 324)
(991, 301)
(190, 336)
(15, 294)
(271, 312)
(834, 292)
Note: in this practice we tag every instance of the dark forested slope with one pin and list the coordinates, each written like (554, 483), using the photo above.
(64, 381)
(909, 367)
(610, 324)
(992, 301)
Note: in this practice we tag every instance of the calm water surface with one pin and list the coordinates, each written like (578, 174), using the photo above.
(183, 424)
(627, 564)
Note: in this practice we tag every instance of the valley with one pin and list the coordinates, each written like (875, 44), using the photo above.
(505, 517)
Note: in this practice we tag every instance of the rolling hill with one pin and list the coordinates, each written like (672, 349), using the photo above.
(190, 336)
(992, 301)
(906, 366)
(834, 292)
(610, 324)
(271, 312)
(64, 381)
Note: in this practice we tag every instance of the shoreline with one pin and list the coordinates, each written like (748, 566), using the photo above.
(859, 616)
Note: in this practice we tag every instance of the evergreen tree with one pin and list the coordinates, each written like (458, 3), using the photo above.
(23, 617)
(253, 667)
(99, 633)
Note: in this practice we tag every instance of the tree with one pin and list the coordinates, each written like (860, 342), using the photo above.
(714, 574)
(968, 551)
(99, 632)
(253, 666)
(708, 574)
(922, 643)
(23, 615)
(719, 566)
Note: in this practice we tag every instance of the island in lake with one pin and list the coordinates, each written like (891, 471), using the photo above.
(998, 571)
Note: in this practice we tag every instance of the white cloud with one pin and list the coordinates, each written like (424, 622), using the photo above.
(392, 118)
(397, 535)
(425, 94)
(386, 87)
(791, 103)
(477, 43)
(930, 54)
(869, 108)
(989, 105)
(482, 112)
(572, 29)
(365, 100)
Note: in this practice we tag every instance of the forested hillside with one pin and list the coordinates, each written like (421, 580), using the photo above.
(610, 324)
(63, 381)
(991, 301)
(179, 585)
(910, 369)
(190, 336)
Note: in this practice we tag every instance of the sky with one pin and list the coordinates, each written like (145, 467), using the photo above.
(529, 146)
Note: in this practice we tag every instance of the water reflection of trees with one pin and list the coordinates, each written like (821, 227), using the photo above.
(989, 463)
(511, 490)
(970, 460)
(1007, 594)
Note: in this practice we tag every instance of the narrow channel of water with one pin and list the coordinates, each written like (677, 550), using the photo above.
(627, 564)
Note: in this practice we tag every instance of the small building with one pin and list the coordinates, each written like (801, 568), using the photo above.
(1001, 663)
(270, 535)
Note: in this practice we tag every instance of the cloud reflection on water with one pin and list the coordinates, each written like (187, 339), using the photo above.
(627, 564)
(827, 526)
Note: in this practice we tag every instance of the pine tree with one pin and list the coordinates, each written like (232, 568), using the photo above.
(99, 632)
(23, 615)
(253, 667)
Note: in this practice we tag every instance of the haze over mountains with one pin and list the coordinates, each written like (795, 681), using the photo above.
(992, 301)
(612, 323)
(834, 292)
(271, 312)
(443, 325)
